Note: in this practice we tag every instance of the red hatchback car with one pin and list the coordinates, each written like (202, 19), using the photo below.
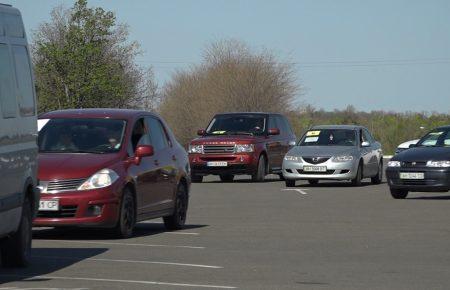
(110, 168)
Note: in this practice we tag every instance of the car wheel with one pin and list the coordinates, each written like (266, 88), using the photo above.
(313, 181)
(196, 178)
(281, 176)
(177, 220)
(377, 179)
(290, 182)
(226, 177)
(260, 173)
(16, 249)
(127, 216)
(399, 193)
(357, 180)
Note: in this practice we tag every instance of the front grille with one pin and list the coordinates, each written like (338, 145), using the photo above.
(316, 160)
(409, 164)
(300, 171)
(66, 211)
(412, 182)
(63, 185)
(218, 149)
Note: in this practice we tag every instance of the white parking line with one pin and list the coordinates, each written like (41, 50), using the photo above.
(122, 244)
(183, 233)
(122, 281)
(301, 191)
(132, 261)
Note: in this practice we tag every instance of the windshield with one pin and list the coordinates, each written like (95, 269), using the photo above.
(436, 138)
(81, 136)
(329, 137)
(237, 125)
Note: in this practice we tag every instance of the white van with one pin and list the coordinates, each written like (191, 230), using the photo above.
(18, 147)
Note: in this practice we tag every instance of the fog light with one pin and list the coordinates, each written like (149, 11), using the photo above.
(94, 210)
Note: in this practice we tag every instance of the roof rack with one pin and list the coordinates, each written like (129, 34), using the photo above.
(9, 5)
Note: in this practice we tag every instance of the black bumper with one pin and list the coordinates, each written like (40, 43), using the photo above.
(436, 179)
(234, 169)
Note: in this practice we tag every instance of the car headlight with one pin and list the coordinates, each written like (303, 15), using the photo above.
(342, 158)
(394, 164)
(442, 163)
(103, 178)
(195, 149)
(240, 148)
(291, 158)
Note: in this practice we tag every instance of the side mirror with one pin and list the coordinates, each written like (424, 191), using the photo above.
(144, 151)
(365, 144)
(411, 145)
(274, 131)
(201, 132)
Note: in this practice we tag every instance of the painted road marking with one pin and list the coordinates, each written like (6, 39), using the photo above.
(183, 233)
(122, 244)
(131, 261)
(121, 281)
(301, 191)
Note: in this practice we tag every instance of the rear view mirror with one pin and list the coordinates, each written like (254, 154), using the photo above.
(144, 151)
(274, 131)
(201, 132)
(365, 144)
(411, 145)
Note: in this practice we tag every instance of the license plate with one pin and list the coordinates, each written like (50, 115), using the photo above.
(412, 175)
(217, 163)
(49, 205)
(314, 168)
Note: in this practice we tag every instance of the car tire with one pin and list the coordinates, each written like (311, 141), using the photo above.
(196, 178)
(377, 179)
(260, 173)
(399, 193)
(16, 250)
(177, 220)
(281, 176)
(290, 182)
(127, 215)
(357, 180)
(226, 177)
(313, 181)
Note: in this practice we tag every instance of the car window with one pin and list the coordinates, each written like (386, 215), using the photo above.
(157, 134)
(439, 137)
(8, 99)
(139, 136)
(367, 137)
(13, 25)
(272, 123)
(329, 137)
(281, 125)
(237, 124)
(24, 81)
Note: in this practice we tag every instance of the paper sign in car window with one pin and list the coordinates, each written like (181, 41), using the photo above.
(218, 132)
(312, 133)
(311, 139)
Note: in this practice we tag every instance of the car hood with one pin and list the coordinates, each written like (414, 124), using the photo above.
(321, 150)
(424, 154)
(72, 165)
(226, 139)
(405, 145)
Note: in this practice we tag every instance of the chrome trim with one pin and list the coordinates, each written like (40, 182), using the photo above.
(57, 186)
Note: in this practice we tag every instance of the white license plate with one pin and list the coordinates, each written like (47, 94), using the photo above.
(217, 163)
(49, 205)
(412, 175)
(314, 168)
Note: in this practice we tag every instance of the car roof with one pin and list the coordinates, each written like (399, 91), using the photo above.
(445, 127)
(348, 127)
(248, 113)
(95, 113)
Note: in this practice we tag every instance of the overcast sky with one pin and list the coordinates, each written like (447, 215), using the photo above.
(383, 54)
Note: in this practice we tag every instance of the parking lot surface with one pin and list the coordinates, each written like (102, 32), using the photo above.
(245, 235)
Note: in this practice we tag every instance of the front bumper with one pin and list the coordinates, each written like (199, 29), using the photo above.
(436, 179)
(236, 163)
(335, 170)
(75, 209)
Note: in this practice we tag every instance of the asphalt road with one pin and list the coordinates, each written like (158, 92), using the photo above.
(260, 236)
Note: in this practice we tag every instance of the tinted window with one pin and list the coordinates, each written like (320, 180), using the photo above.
(157, 134)
(237, 124)
(24, 81)
(8, 100)
(283, 125)
(81, 136)
(329, 137)
(272, 123)
(366, 137)
(139, 136)
(436, 138)
(13, 25)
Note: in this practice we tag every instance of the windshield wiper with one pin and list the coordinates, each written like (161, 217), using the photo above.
(240, 133)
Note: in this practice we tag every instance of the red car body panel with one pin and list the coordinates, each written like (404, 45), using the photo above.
(154, 188)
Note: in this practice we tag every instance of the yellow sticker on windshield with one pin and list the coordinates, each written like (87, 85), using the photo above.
(312, 133)
(218, 132)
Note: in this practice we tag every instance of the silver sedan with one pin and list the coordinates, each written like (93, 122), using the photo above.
(334, 152)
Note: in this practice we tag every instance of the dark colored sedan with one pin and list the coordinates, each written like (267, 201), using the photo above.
(424, 167)
(110, 168)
